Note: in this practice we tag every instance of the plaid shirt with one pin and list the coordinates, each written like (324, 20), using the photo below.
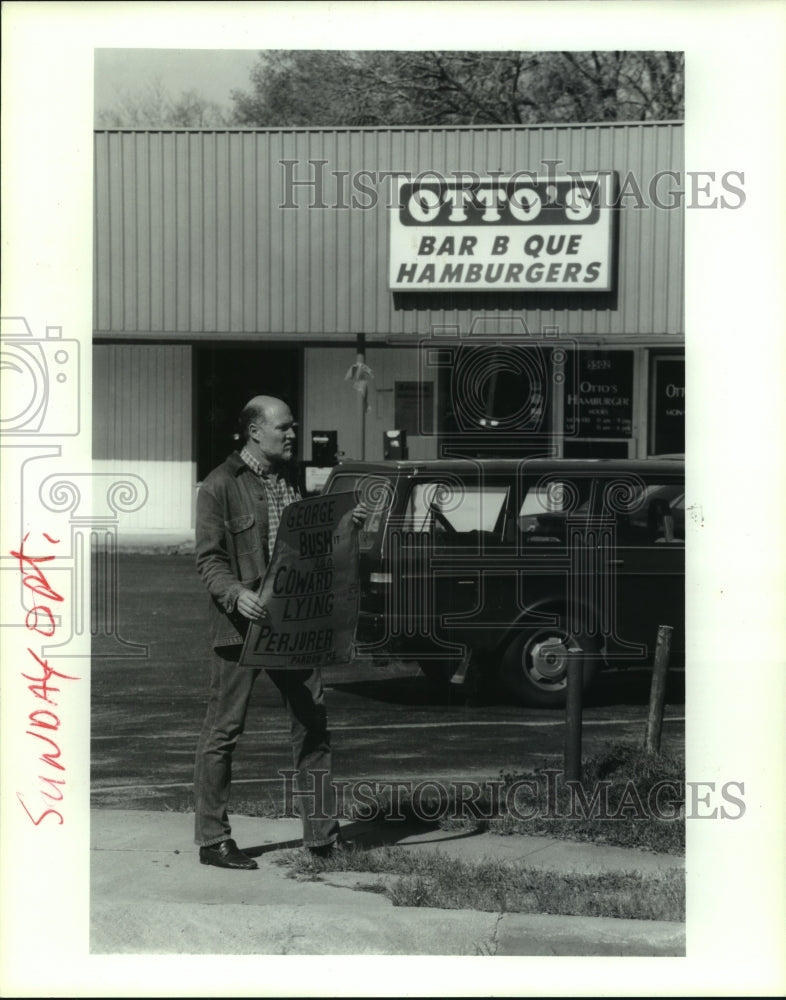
(279, 492)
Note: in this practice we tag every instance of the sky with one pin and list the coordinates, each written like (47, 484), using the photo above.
(213, 73)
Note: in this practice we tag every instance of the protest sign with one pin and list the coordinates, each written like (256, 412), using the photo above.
(310, 590)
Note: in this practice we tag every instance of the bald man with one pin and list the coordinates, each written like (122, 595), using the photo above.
(239, 508)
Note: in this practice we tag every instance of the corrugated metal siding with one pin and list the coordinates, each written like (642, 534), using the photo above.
(142, 402)
(142, 425)
(191, 241)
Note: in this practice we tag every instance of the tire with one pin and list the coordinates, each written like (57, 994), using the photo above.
(533, 670)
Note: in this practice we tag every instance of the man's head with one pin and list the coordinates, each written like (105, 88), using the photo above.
(269, 429)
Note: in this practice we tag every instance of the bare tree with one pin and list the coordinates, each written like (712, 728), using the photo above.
(152, 106)
(337, 88)
(325, 88)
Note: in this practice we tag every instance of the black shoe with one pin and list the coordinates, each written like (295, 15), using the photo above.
(226, 855)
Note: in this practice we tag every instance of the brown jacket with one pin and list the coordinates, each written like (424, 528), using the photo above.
(231, 544)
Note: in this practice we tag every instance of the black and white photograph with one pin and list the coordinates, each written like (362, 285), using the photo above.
(381, 387)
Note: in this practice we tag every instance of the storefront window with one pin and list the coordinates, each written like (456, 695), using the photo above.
(414, 407)
(667, 395)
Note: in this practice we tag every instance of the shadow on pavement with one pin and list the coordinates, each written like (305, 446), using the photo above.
(611, 687)
(377, 833)
(632, 687)
(407, 691)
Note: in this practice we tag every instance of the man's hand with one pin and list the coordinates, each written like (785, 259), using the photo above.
(359, 515)
(250, 606)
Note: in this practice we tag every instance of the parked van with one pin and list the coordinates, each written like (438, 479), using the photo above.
(506, 567)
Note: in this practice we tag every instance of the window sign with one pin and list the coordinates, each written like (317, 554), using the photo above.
(668, 396)
(599, 394)
(414, 407)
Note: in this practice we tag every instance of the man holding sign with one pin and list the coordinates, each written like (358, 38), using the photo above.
(240, 506)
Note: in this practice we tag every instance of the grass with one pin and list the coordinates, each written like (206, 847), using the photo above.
(628, 798)
(438, 880)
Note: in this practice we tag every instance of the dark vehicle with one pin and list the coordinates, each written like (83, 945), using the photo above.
(508, 566)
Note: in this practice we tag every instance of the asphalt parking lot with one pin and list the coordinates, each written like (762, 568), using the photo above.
(387, 720)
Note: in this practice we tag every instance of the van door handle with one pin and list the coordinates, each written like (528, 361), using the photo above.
(464, 582)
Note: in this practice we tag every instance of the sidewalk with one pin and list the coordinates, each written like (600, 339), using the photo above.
(150, 895)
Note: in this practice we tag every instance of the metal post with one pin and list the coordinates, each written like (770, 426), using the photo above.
(658, 689)
(360, 359)
(573, 710)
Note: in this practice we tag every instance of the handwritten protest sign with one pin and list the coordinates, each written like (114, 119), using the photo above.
(311, 588)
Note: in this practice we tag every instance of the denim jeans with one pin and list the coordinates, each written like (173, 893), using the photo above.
(230, 691)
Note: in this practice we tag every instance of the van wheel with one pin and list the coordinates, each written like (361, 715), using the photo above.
(534, 667)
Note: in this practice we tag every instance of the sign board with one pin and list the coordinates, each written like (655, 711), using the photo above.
(668, 402)
(311, 588)
(517, 233)
(599, 394)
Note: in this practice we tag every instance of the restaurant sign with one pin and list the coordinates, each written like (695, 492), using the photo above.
(518, 233)
(599, 394)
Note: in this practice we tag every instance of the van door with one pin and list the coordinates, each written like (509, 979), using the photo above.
(446, 590)
(552, 600)
(647, 563)
(376, 491)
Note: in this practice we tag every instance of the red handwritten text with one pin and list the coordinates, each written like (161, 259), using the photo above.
(43, 723)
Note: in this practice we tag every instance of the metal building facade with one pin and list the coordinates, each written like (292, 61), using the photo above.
(143, 424)
(192, 240)
(260, 247)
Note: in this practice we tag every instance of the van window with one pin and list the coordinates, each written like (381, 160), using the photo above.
(376, 492)
(455, 512)
(652, 513)
(545, 507)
